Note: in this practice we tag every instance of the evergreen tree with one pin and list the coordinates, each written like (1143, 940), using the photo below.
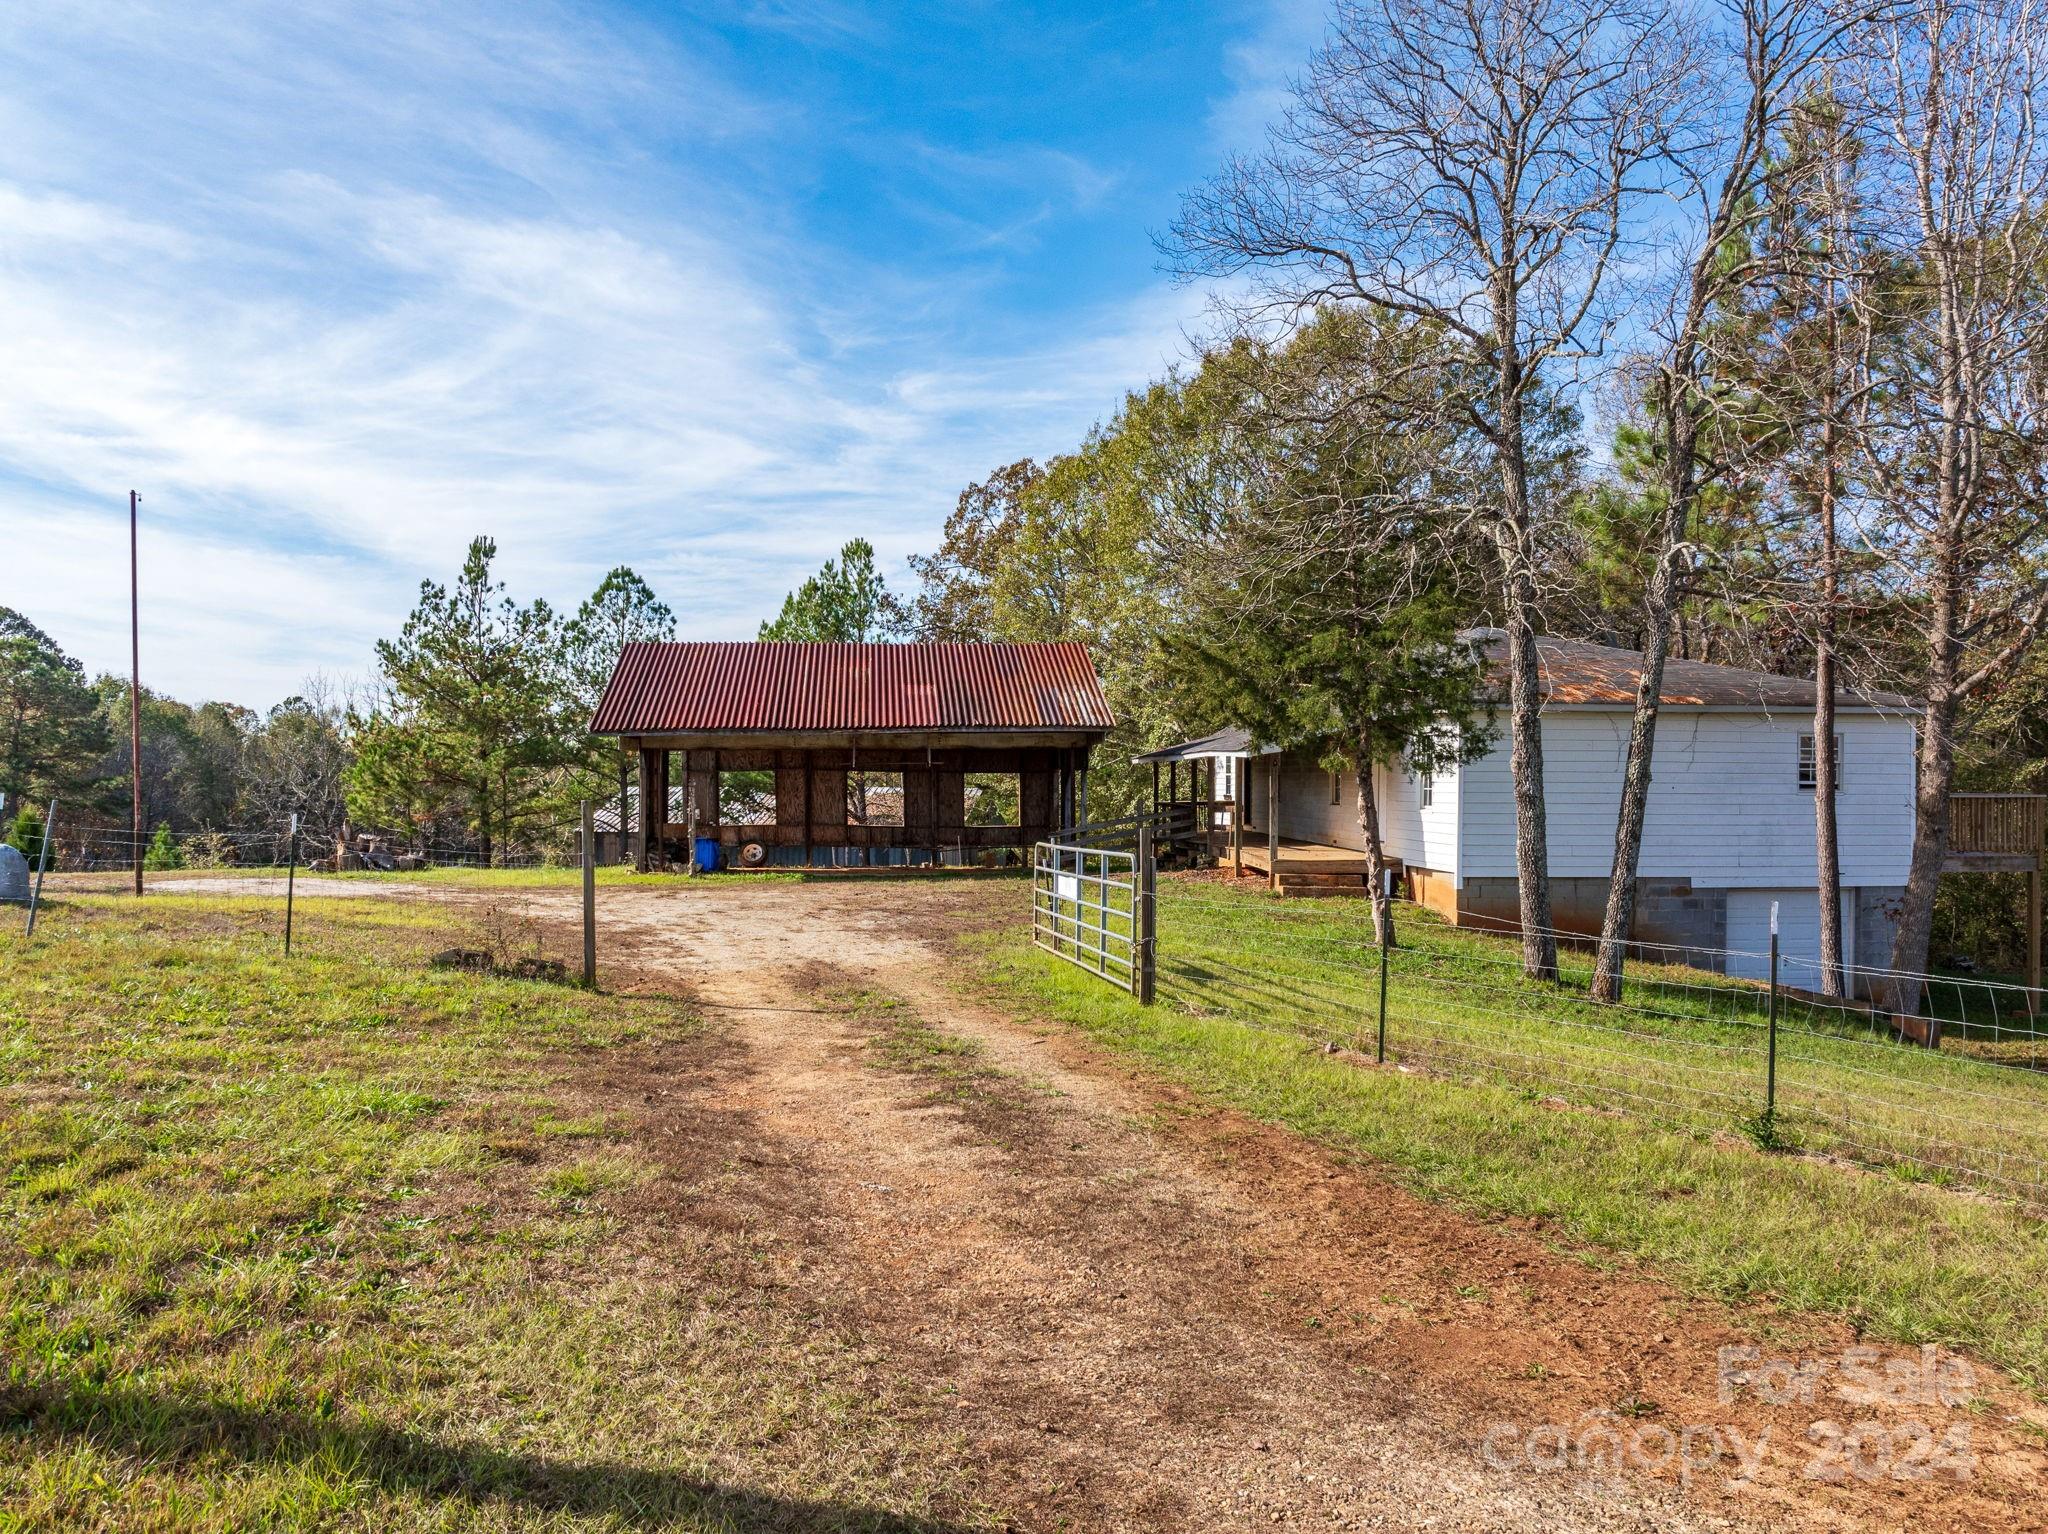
(479, 712)
(846, 601)
(26, 834)
(51, 732)
(623, 610)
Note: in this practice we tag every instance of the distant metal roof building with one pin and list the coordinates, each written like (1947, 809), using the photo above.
(771, 687)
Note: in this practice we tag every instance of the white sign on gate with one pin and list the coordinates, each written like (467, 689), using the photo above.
(1066, 887)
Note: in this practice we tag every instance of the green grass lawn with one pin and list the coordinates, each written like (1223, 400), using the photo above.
(337, 1240)
(1631, 1129)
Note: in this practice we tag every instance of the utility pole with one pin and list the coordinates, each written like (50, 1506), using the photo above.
(135, 689)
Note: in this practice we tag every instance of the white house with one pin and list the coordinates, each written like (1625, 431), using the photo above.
(1728, 831)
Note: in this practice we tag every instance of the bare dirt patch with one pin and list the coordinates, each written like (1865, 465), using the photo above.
(1138, 1311)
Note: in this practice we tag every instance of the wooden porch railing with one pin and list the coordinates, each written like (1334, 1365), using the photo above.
(2006, 825)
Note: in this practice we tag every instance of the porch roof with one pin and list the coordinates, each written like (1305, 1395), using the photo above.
(1231, 742)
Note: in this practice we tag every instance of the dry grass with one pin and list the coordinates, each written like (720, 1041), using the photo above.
(344, 1240)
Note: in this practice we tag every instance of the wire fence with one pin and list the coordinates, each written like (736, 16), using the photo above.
(99, 849)
(1955, 1093)
(513, 911)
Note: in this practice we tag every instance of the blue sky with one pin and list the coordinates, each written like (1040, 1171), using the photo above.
(705, 288)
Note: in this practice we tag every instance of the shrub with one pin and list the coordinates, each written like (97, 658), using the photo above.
(27, 834)
(208, 849)
(163, 853)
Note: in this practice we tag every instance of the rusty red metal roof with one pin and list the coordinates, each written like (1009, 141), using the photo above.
(1581, 674)
(709, 688)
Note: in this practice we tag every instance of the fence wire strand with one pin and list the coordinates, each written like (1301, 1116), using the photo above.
(1688, 1046)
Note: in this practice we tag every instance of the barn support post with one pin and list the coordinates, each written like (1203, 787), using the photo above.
(807, 807)
(689, 813)
(649, 832)
(1273, 826)
(1155, 791)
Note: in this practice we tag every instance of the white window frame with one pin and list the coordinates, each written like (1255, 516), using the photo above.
(1808, 769)
(1425, 789)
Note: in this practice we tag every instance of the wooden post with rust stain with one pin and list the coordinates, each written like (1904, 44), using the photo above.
(1273, 826)
(1237, 802)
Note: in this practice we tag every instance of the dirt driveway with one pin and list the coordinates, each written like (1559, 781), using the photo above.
(1147, 1313)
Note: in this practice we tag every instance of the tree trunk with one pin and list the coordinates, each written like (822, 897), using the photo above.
(1665, 604)
(1525, 681)
(1525, 763)
(1827, 856)
(1369, 832)
(483, 820)
(1617, 922)
(1930, 801)
(1827, 853)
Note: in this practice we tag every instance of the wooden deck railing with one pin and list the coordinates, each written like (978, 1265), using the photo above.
(2008, 824)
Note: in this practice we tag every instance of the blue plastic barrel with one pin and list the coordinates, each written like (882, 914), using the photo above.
(707, 853)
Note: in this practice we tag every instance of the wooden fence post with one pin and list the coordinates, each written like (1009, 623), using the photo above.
(1273, 827)
(589, 898)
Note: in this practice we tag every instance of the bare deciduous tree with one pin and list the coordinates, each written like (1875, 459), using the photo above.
(1953, 94)
(1719, 176)
(1478, 164)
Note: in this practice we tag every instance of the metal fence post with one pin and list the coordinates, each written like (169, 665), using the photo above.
(35, 896)
(589, 898)
(1771, 1034)
(1145, 917)
(1385, 951)
(291, 871)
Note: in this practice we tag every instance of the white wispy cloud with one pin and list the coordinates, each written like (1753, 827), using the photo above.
(338, 286)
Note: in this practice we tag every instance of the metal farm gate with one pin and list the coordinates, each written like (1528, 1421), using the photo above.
(1095, 907)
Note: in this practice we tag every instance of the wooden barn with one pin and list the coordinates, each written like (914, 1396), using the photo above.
(853, 754)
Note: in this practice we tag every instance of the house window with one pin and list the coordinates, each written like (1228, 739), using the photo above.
(1336, 788)
(1809, 767)
(1425, 785)
(1226, 777)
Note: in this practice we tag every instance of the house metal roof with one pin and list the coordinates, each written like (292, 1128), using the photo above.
(1230, 742)
(1578, 674)
(704, 688)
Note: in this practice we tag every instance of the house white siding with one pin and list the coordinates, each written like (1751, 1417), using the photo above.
(1725, 810)
(1420, 835)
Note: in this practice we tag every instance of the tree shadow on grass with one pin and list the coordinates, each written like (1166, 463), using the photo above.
(173, 1430)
